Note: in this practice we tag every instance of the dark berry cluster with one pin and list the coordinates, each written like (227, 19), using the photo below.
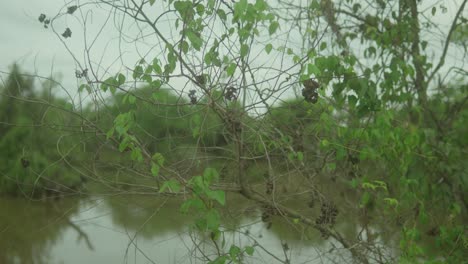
(81, 74)
(310, 90)
(44, 20)
(67, 33)
(267, 212)
(230, 93)
(328, 214)
(193, 97)
(200, 79)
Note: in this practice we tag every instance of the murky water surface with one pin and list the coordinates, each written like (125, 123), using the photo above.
(145, 229)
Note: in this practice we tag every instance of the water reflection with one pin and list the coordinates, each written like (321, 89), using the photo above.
(145, 229)
(30, 230)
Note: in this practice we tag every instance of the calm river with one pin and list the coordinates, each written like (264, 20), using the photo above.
(144, 229)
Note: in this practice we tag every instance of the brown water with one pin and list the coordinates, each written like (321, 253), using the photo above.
(148, 229)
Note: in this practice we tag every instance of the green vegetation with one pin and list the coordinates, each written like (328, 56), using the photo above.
(34, 128)
(384, 127)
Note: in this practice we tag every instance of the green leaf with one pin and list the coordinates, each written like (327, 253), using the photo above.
(156, 84)
(172, 59)
(240, 7)
(365, 199)
(208, 59)
(184, 8)
(184, 46)
(198, 184)
(84, 86)
(196, 203)
(217, 195)
(152, 2)
(249, 250)
(124, 144)
(210, 175)
(136, 154)
(423, 218)
(131, 99)
(331, 166)
(313, 69)
(434, 10)
(352, 100)
(323, 45)
(231, 69)
(300, 156)
(158, 158)
(154, 169)
(108, 82)
(391, 201)
(200, 9)
(268, 48)
(221, 14)
(219, 260)
(110, 133)
(156, 68)
(380, 184)
(234, 251)
(120, 79)
(354, 183)
(172, 185)
(196, 132)
(261, 5)
(137, 72)
(324, 143)
(273, 27)
(194, 38)
(244, 50)
(213, 219)
(456, 208)
(368, 185)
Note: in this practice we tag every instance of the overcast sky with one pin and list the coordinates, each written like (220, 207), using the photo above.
(38, 50)
(23, 39)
